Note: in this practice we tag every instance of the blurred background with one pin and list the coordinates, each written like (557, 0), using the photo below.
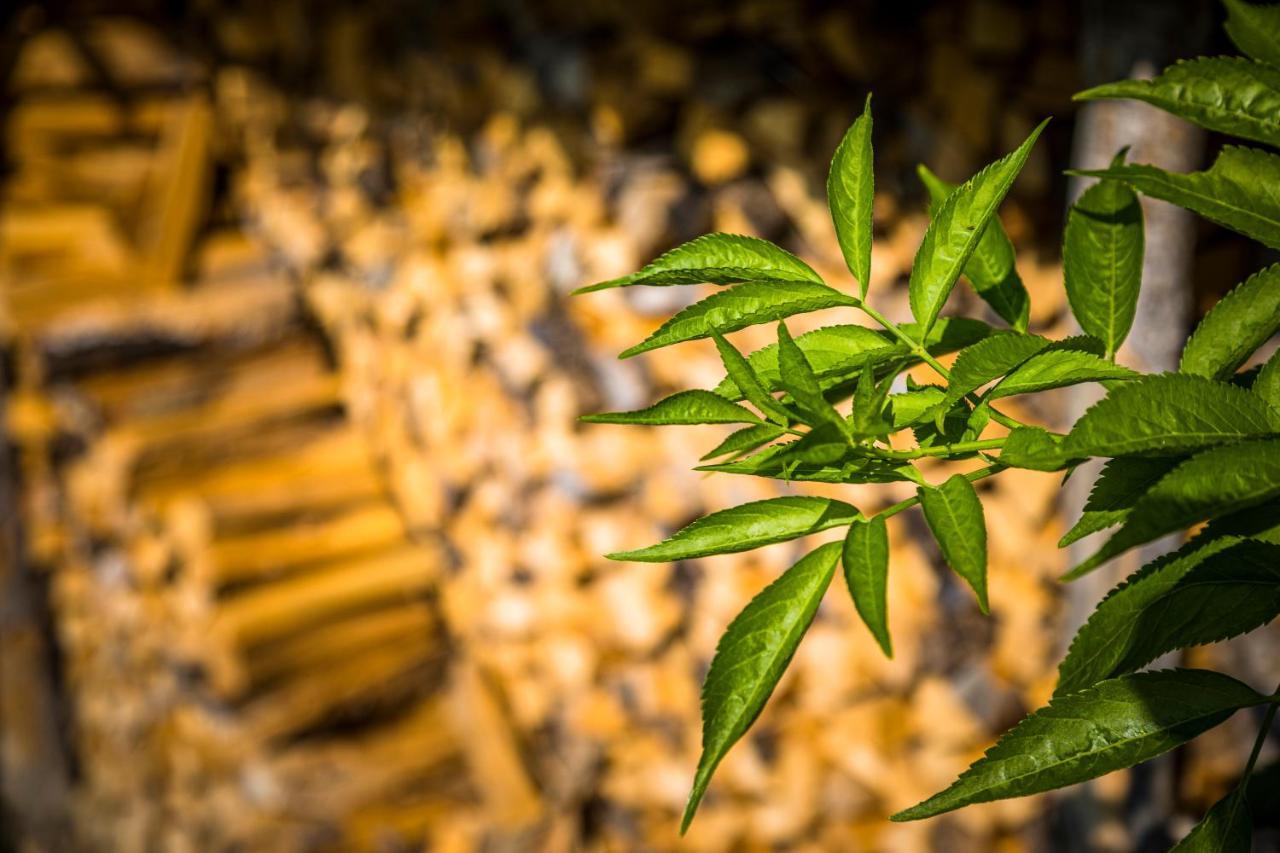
(301, 541)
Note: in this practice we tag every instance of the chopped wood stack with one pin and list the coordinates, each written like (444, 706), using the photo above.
(300, 458)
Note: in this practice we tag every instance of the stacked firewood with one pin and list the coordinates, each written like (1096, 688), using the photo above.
(296, 390)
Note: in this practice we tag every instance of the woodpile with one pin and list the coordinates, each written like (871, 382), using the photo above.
(295, 399)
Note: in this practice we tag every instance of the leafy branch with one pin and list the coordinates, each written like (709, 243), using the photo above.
(1199, 445)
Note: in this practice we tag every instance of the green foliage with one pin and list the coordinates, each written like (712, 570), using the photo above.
(1211, 484)
(991, 269)
(738, 307)
(748, 526)
(1207, 591)
(751, 657)
(865, 557)
(1240, 323)
(1255, 29)
(1122, 481)
(1234, 192)
(1228, 94)
(1226, 828)
(686, 407)
(1080, 736)
(718, 259)
(956, 228)
(1102, 260)
(1267, 385)
(954, 514)
(1169, 413)
(1182, 448)
(850, 192)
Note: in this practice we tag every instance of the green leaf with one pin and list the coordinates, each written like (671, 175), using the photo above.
(915, 406)
(1267, 385)
(685, 407)
(1206, 591)
(717, 259)
(742, 528)
(1255, 29)
(745, 440)
(866, 571)
(1213, 483)
(991, 269)
(1169, 413)
(956, 228)
(1228, 94)
(988, 359)
(751, 657)
(954, 514)
(739, 307)
(1261, 522)
(1226, 828)
(800, 382)
(822, 456)
(833, 352)
(1080, 736)
(850, 192)
(1105, 637)
(1234, 192)
(1118, 487)
(868, 405)
(740, 372)
(1102, 260)
(1035, 449)
(837, 353)
(1242, 321)
(1058, 368)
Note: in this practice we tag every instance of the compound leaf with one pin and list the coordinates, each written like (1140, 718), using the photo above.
(850, 192)
(684, 407)
(1235, 192)
(865, 556)
(1079, 736)
(717, 259)
(742, 528)
(991, 269)
(954, 514)
(1255, 29)
(1242, 321)
(1228, 94)
(1169, 413)
(1102, 261)
(955, 230)
(739, 307)
(752, 655)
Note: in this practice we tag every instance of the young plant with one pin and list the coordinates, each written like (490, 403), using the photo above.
(1201, 444)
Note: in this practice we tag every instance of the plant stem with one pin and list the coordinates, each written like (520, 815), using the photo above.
(943, 449)
(919, 350)
(972, 477)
